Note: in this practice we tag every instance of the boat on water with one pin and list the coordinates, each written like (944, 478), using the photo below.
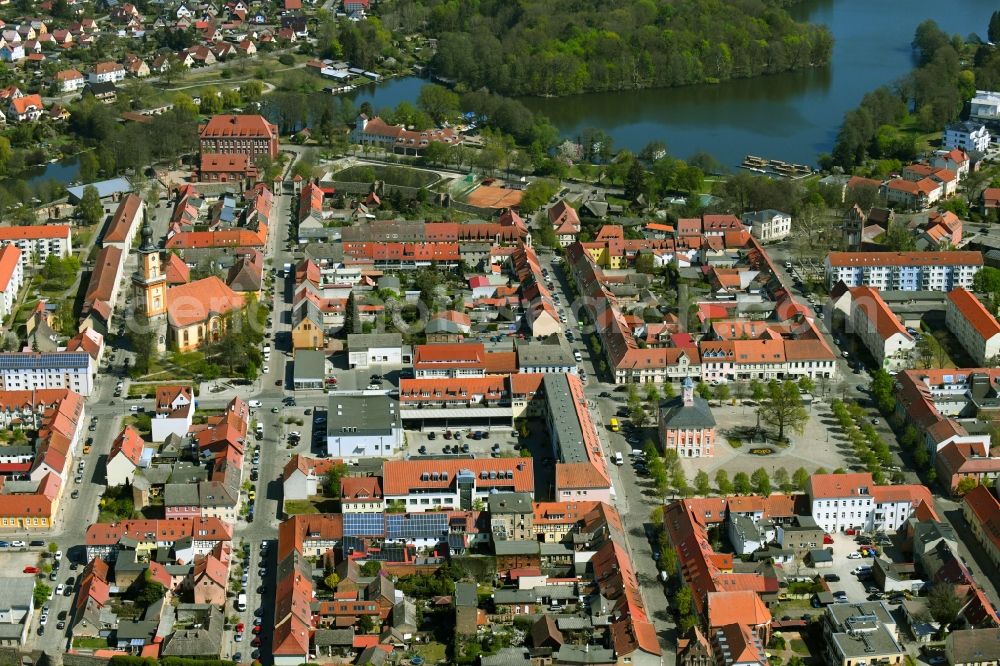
(772, 167)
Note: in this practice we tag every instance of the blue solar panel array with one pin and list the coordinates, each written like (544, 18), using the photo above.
(364, 524)
(416, 525)
(48, 361)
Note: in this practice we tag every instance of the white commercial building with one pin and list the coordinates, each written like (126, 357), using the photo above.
(768, 225)
(985, 106)
(903, 271)
(440, 484)
(366, 350)
(363, 426)
(841, 502)
(28, 371)
(975, 328)
(36, 243)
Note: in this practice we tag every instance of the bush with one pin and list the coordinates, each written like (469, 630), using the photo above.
(286, 59)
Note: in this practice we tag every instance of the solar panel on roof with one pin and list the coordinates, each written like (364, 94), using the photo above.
(364, 524)
(44, 361)
(416, 525)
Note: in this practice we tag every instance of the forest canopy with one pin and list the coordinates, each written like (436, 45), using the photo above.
(541, 47)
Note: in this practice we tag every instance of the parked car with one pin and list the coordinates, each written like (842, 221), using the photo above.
(831, 578)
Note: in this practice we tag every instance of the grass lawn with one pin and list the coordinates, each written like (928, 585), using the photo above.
(91, 643)
(798, 646)
(147, 389)
(311, 505)
(432, 653)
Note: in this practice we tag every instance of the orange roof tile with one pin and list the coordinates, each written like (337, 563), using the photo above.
(10, 257)
(400, 477)
(741, 606)
(200, 300)
(973, 311)
(945, 258)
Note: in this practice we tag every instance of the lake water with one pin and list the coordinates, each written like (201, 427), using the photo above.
(64, 172)
(791, 117)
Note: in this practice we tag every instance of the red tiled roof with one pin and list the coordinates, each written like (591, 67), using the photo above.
(245, 126)
(360, 488)
(176, 270)
(400, 477)
(198, 301)
(225, 162)
(206, 529)
(129, 443)
(35, 232)
(947, 258)
(870, 303)
(840, 485)
(458, 355)
(986, 511)
(10, 257)
(973, 311)
(122, 220)
(742, 606)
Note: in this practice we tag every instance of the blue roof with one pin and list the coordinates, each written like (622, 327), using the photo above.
(416, 525)
(44, 361)
(363, 524)
(105, 188)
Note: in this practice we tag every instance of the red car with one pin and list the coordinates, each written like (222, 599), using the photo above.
(256, 629)
(31, 570)
(239, 628)
(255, 642)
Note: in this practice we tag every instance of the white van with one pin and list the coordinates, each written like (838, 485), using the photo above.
(254, 403)
(618, 459)
(578, 356)
(241, 603)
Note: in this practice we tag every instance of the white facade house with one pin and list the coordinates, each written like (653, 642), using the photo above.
(11, 277)
(768, 225)
(70, 80)
(879, 330)
(975, 328)
(363, 426)
(124, 458)
(841, 502)
(29, 371)
(107, 72)
(967, 135)
(434, 485)
(904, 271)
(36, 243)
(985, 106)
(366, 350)
(174, 412)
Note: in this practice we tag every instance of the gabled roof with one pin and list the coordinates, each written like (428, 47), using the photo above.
(129, 444)
(973, 311)
(741, 606)
(200, 300)
(10, 258)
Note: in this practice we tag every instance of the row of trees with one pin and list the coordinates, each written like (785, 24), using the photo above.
(535, 48)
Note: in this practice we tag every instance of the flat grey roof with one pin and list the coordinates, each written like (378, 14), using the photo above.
(516, 547)
(868, 644)
(16, 592)
(567, 428)
(366, 341)
(361, 414)
(105, 188)
(535, 354)
(511, 503)
(310, 365)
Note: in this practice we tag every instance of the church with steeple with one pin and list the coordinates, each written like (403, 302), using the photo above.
(149, 283)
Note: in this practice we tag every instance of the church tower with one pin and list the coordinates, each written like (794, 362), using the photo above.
(149, 283)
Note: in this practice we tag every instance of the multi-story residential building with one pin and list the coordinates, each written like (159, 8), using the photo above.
(361, 494)
(768, 225)
(975, 328)
(397, 138)
(686, 424)
(29, 371)
(565, 222)
(982, 513)
(70, 80)
(957, 461)
(107, 72)
(903, 271)
(11, 277)
(967, 135)
(512, 516)
(879, 330)
(124, 458)
(197, 536)
(363, 426)
(581, 464)
(243, 135)
(429, 485)
(457, 360)
(124, 224)
(174, 412)
(973, 647)
(841, 502)
(943, 404)
(36, 243)
(303, 476)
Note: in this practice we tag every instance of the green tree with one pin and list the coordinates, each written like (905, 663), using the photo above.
(90, 209)
(53, 547)
(807, 384)
(332, 581)
(371, 568)
(741, 483)
(722, 482)
(757, 391)
(639, 416)
(782, 407)
(438, 102)
(332, 481)
(965, 485)
(921, 457)
(702, 484)
(761, 482)
(783, 481)
(721, 392)
(365, 624)
(943, 604)
(537, 194)
(704, 391)
(883, 390)
(41, 594)
(149, 591)
(993, 32)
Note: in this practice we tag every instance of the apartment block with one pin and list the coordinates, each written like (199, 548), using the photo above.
(975, 328)
(903, 271)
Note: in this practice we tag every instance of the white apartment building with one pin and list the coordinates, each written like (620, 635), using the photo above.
(972, 324)
(768, 225)
(967, 135)
(363, 426)
(105, 72)
(879, 330)
(428, 485)
(985, 106)
(903, 271)
(27, 371)
(36, 243)
(841, 502)
(11, 277)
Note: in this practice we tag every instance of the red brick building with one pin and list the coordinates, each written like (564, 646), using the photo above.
(239, 135)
